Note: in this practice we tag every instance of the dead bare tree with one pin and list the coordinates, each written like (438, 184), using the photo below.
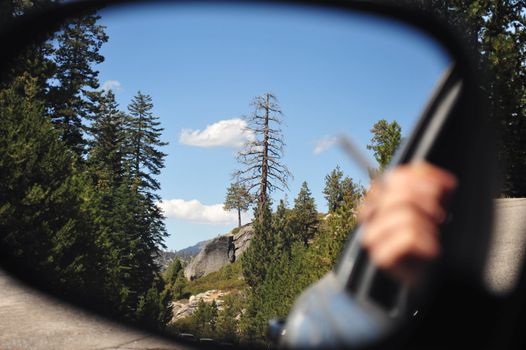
(261, 157)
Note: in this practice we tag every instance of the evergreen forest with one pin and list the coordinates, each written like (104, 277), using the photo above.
(79, 181)
(78, 193)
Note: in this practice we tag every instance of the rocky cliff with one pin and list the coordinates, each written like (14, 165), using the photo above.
(242, 239)
(219, 252)
(185, 308)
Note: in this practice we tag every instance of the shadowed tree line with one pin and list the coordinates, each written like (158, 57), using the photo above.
(496, 32)
(78, 192)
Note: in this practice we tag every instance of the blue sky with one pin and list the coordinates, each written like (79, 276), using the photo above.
(332, 73)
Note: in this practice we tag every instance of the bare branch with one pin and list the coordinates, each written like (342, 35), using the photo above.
(262, 156)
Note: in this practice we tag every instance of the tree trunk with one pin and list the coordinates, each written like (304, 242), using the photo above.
(239, 217)
(264, 165)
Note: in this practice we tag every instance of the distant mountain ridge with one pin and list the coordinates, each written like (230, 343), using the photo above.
(186, 254)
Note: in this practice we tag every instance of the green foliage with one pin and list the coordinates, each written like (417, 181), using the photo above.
(129, 225)
(334, 233)
(281, 225)
(257, 259)
(386, 139)
(339, 190)
(41, 216)
(153, 308)
(127, 264)
(206, 317)
(179, 287)
(164, 307)
(305, 215)
(285, 280)
(333, 191)
(495, 31)
(78, 45)
(238, 197)
(352, 193)
(208, 320)
(228, 278)
(108, 135)
(295, 262)
(78, 218)
(202, 323)
(276, 268)
(173, 271)
(143, 136)
(227, 320)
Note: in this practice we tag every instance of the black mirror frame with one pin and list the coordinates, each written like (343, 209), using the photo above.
(33, 27)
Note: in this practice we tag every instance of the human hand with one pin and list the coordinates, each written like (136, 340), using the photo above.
(400, 216)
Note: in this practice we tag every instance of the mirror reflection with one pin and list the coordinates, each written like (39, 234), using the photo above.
(179, 166)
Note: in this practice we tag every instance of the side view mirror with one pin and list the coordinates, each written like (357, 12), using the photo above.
(126, 124)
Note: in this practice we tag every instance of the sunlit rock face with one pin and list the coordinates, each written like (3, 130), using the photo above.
(218, 252)
(242, 239)
(212, 257)
(185, 308)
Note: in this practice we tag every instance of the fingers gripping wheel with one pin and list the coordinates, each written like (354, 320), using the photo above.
(358, 304)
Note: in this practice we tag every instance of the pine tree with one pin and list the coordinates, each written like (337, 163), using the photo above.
(352, 192)
(286, 278)
(164, 311)
(205, 317)
(495, 31)
(173, 271)
(336, 229)
(122, 223)
(174, 277)
(305, 222)
(90, 229)
(107, 144)
(258, 257)
(153, 308)
(128, 263)
(384, 142)
(109, 206)
(78, 47)
(139, 229)
(179, 287)
(144, 156)
(130, 232)
(333, 189)
(237, 197)
(227, 323)
(42, 217)
(145, 161)
(281, 225)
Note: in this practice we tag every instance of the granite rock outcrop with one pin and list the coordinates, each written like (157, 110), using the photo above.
(219, 252)
(186, 307)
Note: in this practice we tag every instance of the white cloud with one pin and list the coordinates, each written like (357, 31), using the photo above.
(227, 133)
(113, 85)
(195, 211)
(324, 144)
